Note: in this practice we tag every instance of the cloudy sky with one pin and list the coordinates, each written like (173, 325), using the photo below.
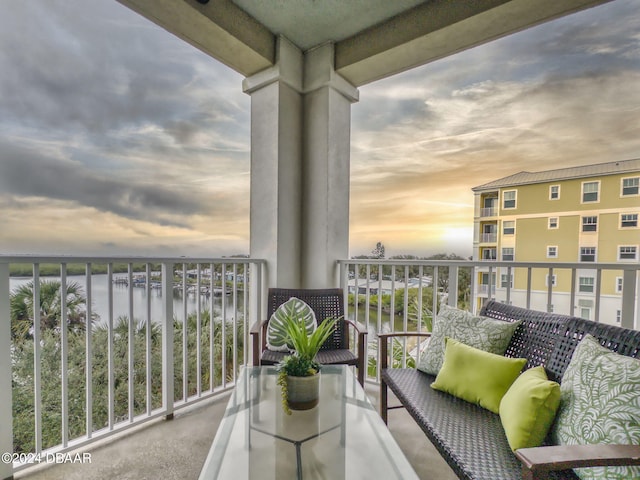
(118, 138)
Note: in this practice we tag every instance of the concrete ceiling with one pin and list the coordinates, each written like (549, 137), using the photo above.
(373, 39)
(308, 23)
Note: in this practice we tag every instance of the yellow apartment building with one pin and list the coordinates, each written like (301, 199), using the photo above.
(579, 215)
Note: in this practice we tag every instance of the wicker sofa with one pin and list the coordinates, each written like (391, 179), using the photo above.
(470, 438)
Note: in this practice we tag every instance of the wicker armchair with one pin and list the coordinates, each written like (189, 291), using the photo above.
(326, 303)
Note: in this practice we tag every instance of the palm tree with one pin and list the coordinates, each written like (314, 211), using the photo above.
(120, 367)
(205, 328)
(423, 312)
(22, 313)
(398, 354)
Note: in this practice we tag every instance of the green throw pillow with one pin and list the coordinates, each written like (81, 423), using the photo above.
(277, 331)
(599, 403)
(475, 375)
(528, 408)
(484, 333)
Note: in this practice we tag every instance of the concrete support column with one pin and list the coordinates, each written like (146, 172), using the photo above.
(300, 140)
(326, 151)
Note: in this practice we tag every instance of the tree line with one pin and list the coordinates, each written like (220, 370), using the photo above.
(22, 356)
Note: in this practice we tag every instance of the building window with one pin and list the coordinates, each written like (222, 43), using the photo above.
(483, 288)
(509, 199)
(629, 220)
(587, 254)
(618, 284)
(585, 284)
(553, 222)
(630, 186)
(553, 281)
(506, 281)
(489, 254)
(585, 313)
(489, 233)
(589, 224)
(590, 191)
(509, 227)
(552, 251)
(627, 253)
(554, 192)
(507, 254)
(489, 207)
(618, 316)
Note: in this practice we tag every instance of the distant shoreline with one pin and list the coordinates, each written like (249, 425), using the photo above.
(53, 270)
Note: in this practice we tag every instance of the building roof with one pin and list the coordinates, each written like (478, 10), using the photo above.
(597, 170)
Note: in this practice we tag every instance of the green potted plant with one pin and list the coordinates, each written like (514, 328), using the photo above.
(298, 373)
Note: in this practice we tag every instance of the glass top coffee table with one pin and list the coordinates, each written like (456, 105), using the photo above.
(342, 438)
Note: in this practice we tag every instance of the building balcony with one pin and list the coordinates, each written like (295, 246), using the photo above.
(489, 237)
(488, 212)
(483, 290)
(140, 349)
(489, 254)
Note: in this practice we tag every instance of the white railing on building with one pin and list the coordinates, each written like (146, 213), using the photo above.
(407, 305)
(230, 287)
(489, 212)
(483, 289)
(489, 237)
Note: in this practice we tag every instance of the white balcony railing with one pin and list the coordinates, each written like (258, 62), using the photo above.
(489, 237)
(145, 337)
(408, 304)
(141, 345)
(483, 289)
(489, 211)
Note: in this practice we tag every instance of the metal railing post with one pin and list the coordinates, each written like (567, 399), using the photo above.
(167, 340)
(598, 294)
(6, 405)
(629, 294)
(452, 300)
(88, 354)
(37, 363)
(64, 355)
(258, 297)
(550, 291)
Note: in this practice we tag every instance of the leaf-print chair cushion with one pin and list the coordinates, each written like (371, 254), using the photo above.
(484, 333)
(599, 403)
(277, 331)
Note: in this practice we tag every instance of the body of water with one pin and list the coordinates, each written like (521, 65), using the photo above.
(100, 299)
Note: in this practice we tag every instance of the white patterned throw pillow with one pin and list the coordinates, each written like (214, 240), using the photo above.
(599, 403)
(484, 333)
(276, 330)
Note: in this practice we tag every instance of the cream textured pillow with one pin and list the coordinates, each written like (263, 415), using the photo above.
(484, 333)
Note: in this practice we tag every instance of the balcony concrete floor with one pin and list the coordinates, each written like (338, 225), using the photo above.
(177, 449)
